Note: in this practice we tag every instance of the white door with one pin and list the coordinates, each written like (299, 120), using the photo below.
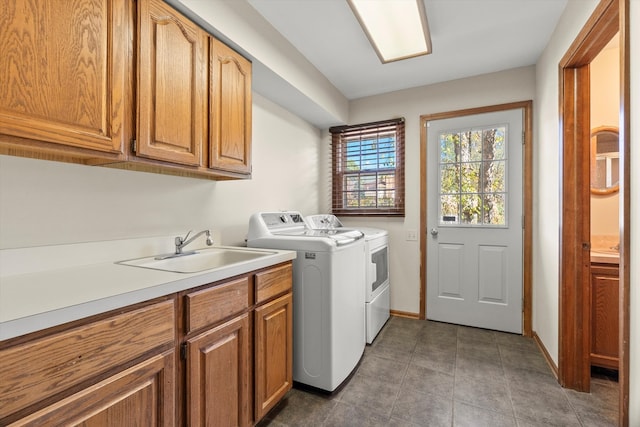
(474, 220)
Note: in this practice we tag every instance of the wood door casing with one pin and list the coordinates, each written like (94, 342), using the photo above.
(171, 85)
(64, 81)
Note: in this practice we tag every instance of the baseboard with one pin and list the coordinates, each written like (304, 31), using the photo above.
(406, 314)
(546, 354)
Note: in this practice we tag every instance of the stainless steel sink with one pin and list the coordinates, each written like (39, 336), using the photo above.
(201, 260)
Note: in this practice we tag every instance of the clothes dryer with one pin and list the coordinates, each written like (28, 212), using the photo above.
(377, 284)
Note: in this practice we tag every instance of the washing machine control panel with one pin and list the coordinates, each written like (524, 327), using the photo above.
(276, 220)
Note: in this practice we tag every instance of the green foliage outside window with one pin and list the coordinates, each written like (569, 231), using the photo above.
(473, 177)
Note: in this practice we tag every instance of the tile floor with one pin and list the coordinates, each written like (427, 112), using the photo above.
(423, 373)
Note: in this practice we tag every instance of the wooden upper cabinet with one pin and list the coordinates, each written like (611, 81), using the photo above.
(63, 72)
(229, 109)
(171, 85)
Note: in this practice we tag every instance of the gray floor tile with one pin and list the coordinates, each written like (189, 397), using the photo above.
(514, 340)
(300, 408)
(428, 381)
(548, 405)
(438, 342)
(423, 409)
(487, 393)
(466, 334)
(525, 359)
(388, 370)
(470, 366)
(425, 373)
(479, 350)
(347, 415)
(435, 359)
(465, 415)
(376, 394)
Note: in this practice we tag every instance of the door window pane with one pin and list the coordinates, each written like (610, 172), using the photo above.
(473, 171)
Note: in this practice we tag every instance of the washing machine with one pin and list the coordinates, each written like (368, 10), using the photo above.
(328, 295)
(377, 285)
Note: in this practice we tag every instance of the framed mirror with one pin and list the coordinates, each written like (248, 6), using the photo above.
(605, 160)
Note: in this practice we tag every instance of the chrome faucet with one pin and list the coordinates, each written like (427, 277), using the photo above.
(181, 242)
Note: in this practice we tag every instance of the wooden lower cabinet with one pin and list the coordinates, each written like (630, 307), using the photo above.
(94, 372)
(217, 355)
(218, 375)
(239, 349)
(273, 353)
(139, 396)
(604, 315)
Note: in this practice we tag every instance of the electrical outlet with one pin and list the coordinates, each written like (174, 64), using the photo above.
(412, 235)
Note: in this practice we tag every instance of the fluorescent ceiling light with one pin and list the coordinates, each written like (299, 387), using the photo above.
(397, 29)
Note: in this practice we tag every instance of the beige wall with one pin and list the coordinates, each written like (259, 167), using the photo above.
(605, 104)
(46, 203)
(490, 89)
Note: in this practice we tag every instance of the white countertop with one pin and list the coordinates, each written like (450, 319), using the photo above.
(602, 257)
(48, 296)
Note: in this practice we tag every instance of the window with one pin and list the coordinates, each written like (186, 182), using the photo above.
(472, 178)
(368, 168)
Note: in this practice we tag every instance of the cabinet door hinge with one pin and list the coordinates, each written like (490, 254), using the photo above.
(134, 145)
(183, 351)
(523, 139)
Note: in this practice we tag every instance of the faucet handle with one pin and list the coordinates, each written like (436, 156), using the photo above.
(184, 239)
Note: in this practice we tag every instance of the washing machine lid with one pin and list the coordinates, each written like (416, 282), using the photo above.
(321, 221)
(331, 222)
(341, 237)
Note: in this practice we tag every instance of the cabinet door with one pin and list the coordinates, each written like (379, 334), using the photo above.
(141, 395)
(273, 353)
(63, 72)
(218, 375)
(230, 109)
(604, 316)
(171, 85)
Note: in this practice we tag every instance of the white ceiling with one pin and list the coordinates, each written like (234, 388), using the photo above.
(469, 37)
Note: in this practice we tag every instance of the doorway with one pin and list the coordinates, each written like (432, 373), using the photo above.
(474, 218)
(525, 108)
(574, 358)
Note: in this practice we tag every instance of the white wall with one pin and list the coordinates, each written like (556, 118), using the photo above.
(547, 184)
(490, 89)
(46, 203)
(546, 174)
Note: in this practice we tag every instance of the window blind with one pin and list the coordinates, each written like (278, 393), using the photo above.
(368, 169)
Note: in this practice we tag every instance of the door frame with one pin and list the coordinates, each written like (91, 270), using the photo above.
(574, 368)
(527, 194)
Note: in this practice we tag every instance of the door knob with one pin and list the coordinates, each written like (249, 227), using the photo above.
(434, 232)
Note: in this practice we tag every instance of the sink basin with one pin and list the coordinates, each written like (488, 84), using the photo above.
(201, 260)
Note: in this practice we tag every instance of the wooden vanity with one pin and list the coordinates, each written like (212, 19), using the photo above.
(604, 311)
